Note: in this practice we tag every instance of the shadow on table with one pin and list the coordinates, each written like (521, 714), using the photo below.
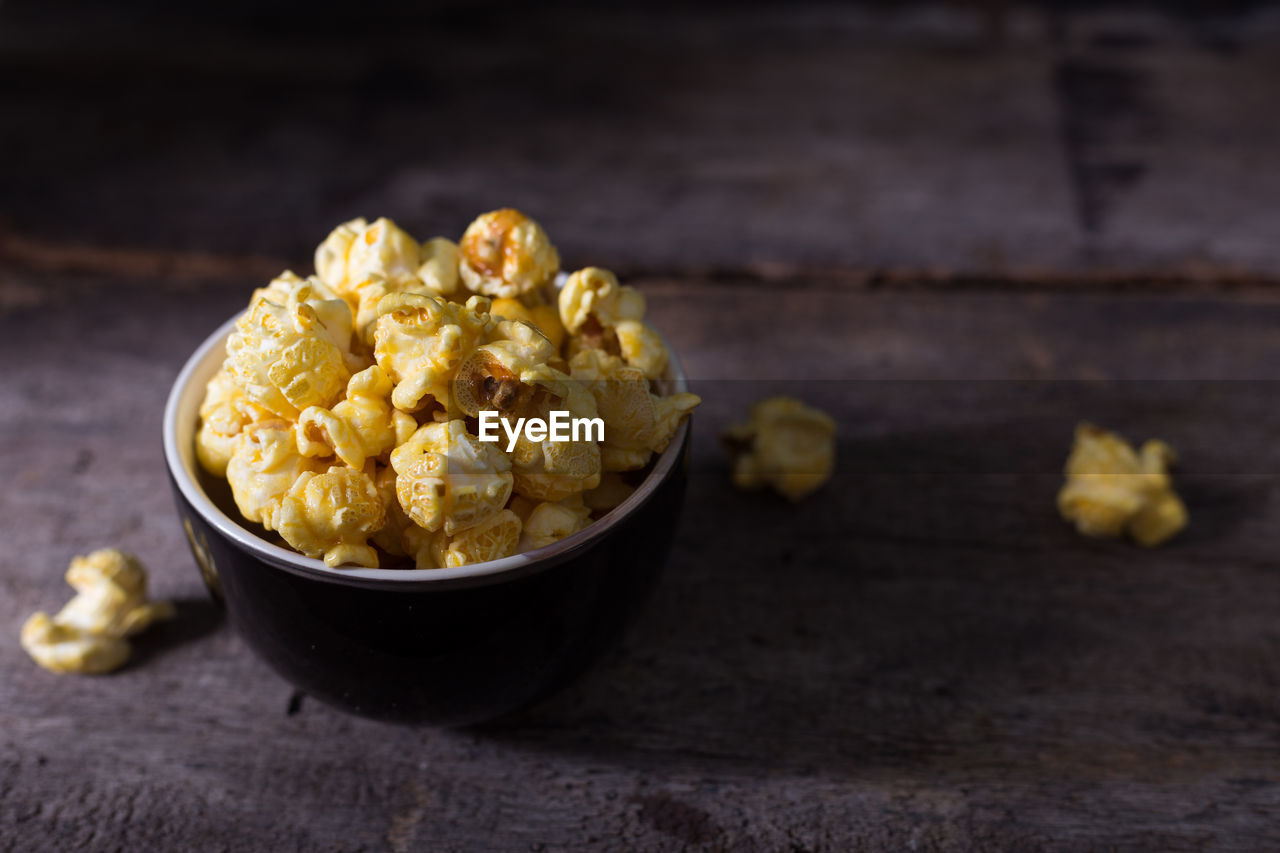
(194, 619)
(913, 610)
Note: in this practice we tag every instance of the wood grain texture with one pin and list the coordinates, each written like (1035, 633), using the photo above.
(774, 137)
(958, 247)
(923, 656)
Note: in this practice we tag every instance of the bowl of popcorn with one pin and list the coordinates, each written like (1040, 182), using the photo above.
(432, 481)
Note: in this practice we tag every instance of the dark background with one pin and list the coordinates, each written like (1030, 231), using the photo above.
(1023, 204)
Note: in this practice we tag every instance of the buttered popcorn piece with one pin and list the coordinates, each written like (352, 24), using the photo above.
(363, 425)
(224, 414)
(786, 445)
(447, 479)
(420, 342)
(503, 373)
(88, 634)
(332, 516)
(551, 470)
(285, 357)
(638, 423)
(265, 465)
(355, 251)
(505, 253)
(1112, 490)
(594, 292)
(550, 522)
(496, 537)
(609, 316)
(438, 271)
(542, 316)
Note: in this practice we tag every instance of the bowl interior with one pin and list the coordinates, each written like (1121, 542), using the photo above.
(180, 421)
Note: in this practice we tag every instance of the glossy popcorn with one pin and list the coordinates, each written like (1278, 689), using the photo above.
(786, 445)
(346, 416)
(1111, 489)
(88, 635)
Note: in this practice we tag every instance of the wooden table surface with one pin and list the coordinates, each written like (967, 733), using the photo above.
(960, 237)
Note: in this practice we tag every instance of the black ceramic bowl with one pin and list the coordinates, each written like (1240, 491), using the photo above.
(443, 646)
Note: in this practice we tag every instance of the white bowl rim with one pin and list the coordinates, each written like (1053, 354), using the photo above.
(513, 566)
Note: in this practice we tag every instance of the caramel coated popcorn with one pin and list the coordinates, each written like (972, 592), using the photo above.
(349, 416)
(786, 445)
(88, 635)
(1111, 489)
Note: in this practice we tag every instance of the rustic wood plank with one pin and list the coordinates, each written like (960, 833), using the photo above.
(925, 655)
(774, 137)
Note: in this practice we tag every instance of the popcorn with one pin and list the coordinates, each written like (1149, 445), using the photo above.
(438, 271)
(361, 426)
(284, 357)
(331, 515)
(265, 465)
(608, 316)
(88, 634)
(595, 292)
(641, 347)
(448, 479)
(543, 317)
(420, 342)
(342, 417)
(396, 525)
(356, 251)
(550, 522)
(1111, 490)
(786, 445)
(501, 374)
(640, 423)
(553, 470)
(224, 415)
(505, 253)
(492, 539)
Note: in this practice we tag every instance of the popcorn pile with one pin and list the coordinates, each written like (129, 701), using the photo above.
(345, 415)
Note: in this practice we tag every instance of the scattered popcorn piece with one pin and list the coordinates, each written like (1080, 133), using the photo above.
(88, 634)
(331, 515)
(505, 253)
(1111, 490)
(420, 342)
(786, 444)
(356, 251)
(447, 479)
(550, 522)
